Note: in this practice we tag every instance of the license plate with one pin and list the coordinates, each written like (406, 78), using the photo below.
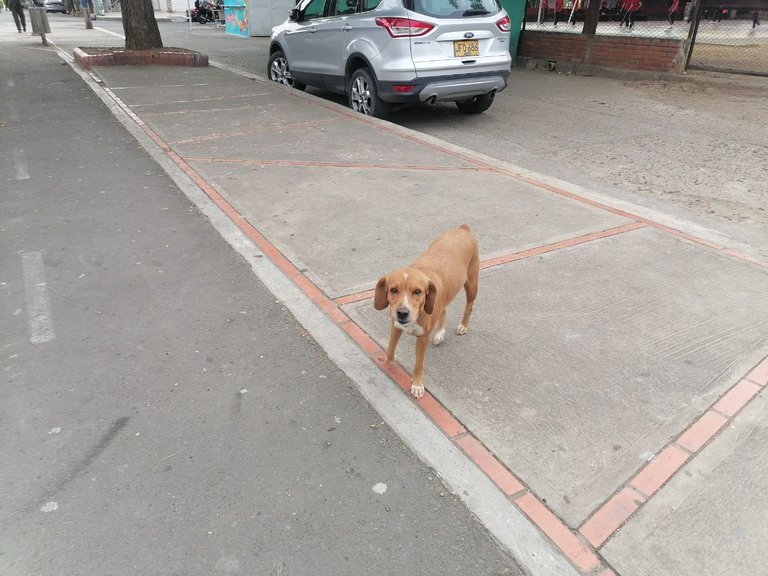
(463, 48)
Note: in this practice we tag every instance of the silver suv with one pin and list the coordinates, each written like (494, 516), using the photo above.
(390, 53)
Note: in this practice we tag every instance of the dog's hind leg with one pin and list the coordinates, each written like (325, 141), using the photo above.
(470, 289)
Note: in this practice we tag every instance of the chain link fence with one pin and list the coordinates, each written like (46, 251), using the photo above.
(649, 18)
(731, 37)
(728, 35)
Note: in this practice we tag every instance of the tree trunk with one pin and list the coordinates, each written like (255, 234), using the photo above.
(591, 16)
(140, 26)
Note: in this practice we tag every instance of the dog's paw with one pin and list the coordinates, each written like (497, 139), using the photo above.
(439, 336)
(461, 329)
(417, 390)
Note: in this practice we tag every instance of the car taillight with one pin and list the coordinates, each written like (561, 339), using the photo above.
(403, 88)
(505, 24)
(404, 27)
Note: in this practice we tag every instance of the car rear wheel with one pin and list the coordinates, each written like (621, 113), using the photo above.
(201, 18)
(364, 96)
(476, 105)
(279, 71)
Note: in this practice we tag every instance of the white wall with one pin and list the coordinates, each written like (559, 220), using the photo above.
(263, 14)
(178, 5)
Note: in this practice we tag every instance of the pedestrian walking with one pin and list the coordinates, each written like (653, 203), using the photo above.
(17, 9)
(755, 18)
(630, 7)
(558, 8)
(574, 7)
(671, 10)
(543, 6)
(718, 15)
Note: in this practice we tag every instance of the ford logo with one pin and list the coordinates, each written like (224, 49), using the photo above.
(468, 35)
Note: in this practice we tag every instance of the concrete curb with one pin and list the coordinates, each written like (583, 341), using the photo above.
(511, 528)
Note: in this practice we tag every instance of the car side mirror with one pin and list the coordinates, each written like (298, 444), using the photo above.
(293, 15)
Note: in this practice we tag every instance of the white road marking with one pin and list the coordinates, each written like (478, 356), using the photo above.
(108, 32)
(49, 507)
(38, 304)
(20, 162)
(9, 83)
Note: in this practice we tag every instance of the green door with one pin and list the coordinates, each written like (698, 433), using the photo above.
(516, 11)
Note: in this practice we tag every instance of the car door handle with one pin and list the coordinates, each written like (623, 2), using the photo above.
(346, 27)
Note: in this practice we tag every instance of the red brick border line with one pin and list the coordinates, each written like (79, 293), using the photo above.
(197, 110)
(208, 99)
(289, 126)
(618, 509)
(570, 544)
(625, 214)
(531, 252)
(538, 250)
(319, 164)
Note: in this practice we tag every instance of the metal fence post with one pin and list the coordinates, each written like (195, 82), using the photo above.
(692, 31)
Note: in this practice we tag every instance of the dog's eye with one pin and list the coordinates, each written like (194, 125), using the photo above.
(417, 292)
(393, 290)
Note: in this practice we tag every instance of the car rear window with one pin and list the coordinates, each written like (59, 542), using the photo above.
(453, 8)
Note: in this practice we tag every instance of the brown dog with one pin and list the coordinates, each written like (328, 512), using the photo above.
(418, 295)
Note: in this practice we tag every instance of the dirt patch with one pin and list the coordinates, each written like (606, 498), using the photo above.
(752, 59)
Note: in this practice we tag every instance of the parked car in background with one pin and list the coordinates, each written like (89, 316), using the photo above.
(391, 53)
(55, 6)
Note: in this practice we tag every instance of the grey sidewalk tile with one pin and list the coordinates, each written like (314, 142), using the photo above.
(712, 518)
(582, 363)
(349, 226)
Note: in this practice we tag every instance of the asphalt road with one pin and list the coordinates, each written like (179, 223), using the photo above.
(696, 150)
(161, 413)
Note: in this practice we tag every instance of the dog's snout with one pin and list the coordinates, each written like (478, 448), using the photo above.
(403, 314)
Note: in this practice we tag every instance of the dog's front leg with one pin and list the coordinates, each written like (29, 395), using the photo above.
(417, 380)
(394, 338)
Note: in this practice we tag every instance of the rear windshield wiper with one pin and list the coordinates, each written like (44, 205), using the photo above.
(475, 12)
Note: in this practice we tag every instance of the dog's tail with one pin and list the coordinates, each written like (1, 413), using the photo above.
(465, 227)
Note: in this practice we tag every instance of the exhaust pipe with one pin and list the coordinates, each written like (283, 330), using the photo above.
(432, 100)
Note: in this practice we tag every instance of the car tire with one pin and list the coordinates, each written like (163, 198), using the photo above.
(363, 95)
(279, 71)
(476, 105)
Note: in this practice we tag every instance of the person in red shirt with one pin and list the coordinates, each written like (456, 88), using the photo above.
(574, 7)
(558, 8)
(672, 8)
(630, 7)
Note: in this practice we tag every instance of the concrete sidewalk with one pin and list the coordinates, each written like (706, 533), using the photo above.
(613, 383)
(160, 15)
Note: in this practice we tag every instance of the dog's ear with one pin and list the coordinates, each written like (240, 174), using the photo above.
(429, 303)
(380, 297)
